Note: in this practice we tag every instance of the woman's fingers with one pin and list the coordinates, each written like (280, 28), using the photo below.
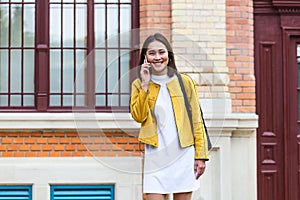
(145, 60)
(199, 168)
(145, 73)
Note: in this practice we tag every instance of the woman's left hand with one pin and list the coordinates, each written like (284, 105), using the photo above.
(199, 168)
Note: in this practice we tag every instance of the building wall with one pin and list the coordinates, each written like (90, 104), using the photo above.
(240, 54)
(212, 41)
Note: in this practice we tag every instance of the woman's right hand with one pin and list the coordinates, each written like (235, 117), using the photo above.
(145, 74)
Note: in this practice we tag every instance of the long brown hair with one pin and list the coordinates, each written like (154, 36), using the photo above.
(158, 37)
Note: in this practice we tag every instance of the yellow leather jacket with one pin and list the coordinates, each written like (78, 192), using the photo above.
(142, 110)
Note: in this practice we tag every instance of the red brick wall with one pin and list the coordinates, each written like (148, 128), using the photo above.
(68, 143)
(155, 16)
(240, 55)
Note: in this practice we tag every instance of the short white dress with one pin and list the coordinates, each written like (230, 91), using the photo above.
(168, 168)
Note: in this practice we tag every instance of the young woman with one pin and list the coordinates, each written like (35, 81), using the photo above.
(175, 154)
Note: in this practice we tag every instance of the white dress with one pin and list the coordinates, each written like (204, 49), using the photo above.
(168, 168)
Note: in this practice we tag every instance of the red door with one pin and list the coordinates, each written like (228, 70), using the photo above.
(277, 72)
(292, 112)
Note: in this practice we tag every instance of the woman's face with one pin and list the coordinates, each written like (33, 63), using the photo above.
(157, 56)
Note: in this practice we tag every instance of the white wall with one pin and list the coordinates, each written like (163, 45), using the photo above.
(124, 173)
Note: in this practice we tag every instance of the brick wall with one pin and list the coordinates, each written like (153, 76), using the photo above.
(199, 35)
(240, 55)
(68, 143)
(215, 44)
(199, 41)
(155, 16)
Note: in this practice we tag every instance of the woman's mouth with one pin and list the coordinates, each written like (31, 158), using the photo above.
(158, 63)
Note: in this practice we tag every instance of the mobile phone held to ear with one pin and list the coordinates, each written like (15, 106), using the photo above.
(150, 67)
(150, 70)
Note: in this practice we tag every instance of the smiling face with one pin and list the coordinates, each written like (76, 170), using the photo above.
(157, 56)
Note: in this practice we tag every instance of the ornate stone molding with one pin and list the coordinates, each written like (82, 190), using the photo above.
(289, 10)
(286, 3)
(287, 7)
(277, 6)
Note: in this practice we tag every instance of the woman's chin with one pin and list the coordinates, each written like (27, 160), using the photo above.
(159, 72)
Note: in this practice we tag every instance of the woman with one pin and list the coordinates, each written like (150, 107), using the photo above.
(175, 154)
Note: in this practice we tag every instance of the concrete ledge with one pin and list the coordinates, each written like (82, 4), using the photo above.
(91, 121)
(111, 121)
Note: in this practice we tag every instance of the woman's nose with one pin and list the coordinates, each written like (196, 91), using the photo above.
(157, 56)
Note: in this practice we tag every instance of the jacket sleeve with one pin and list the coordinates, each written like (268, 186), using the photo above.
(139, 107)
(200, 140)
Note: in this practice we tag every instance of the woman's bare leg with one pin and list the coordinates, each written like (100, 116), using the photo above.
(156, 196)
(182, 196)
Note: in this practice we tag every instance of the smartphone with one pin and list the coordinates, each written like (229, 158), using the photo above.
(150, 68)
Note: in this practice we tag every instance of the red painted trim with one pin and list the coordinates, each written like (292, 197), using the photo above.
(42, 55)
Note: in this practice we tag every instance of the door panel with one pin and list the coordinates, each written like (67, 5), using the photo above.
(291, 114)
(269, 98)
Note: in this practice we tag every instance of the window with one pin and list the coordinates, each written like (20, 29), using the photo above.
(17, 35)
(58, 55)
(16, 192)
(86, 192)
